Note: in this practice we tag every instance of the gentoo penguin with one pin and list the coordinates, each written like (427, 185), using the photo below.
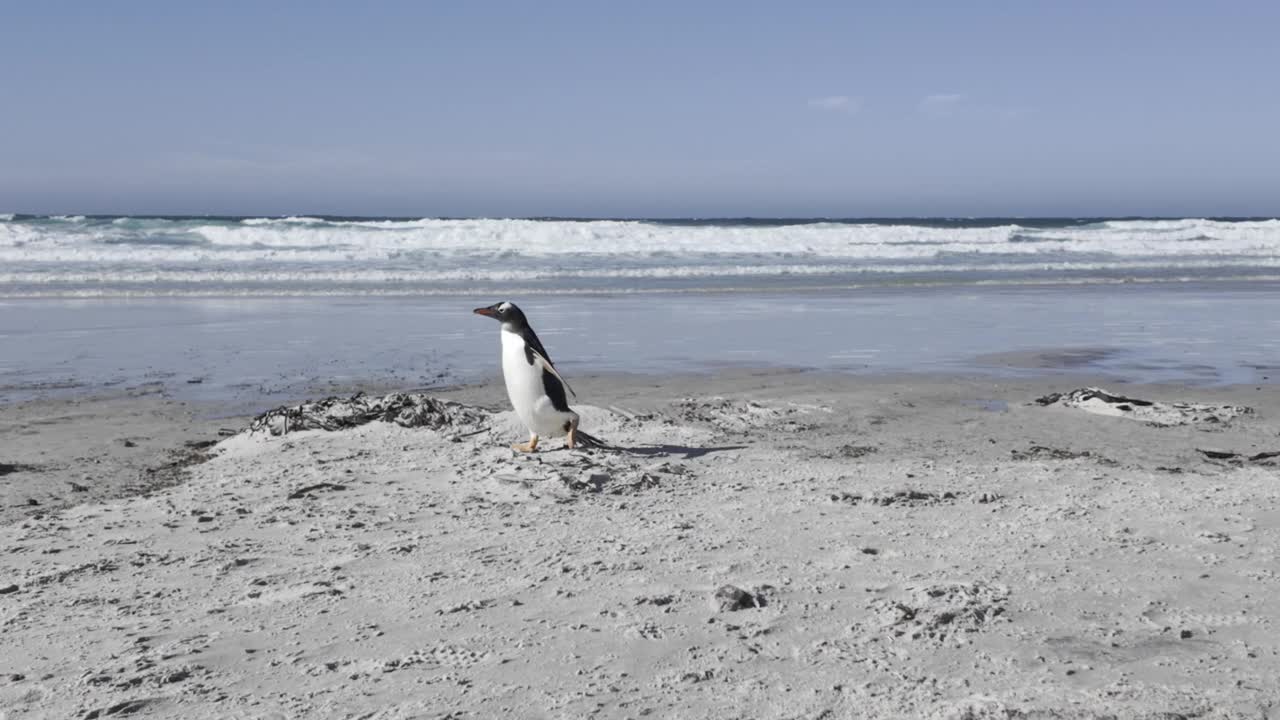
(536, 390)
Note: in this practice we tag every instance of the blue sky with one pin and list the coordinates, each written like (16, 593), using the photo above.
(641, 109)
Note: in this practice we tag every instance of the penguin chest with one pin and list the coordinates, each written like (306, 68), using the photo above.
(526, 391)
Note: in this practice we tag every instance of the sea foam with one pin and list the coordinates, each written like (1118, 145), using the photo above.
(276, 254)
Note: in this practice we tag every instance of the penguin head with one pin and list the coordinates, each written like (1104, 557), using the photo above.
(506, 313)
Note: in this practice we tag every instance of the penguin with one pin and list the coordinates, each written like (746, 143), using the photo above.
(536, 389)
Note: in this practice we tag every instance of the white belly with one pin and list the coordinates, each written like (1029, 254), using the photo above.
(525, 390)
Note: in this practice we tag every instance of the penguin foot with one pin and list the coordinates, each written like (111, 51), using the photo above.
(528, 447)
(573, 435)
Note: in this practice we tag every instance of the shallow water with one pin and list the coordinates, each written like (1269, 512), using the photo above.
(256, 351)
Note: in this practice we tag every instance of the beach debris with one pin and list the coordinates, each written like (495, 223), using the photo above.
(77, 487)
(306, 491)
(1044, 452)
(851, 451)
(7, 468)
(731, 598)
(697, 677)
(408, 410)
(1102, 402)
(897, 497)
(942, 611)
(467, 606)
(8, 589)
(1266, 459)
(120, 709)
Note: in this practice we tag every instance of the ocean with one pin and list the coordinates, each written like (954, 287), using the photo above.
(243, 313)
(128, 256)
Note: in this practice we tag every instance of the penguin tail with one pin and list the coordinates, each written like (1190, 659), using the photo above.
(587, 440)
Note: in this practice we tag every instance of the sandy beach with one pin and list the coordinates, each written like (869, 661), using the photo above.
(922, 361)
(763, 544)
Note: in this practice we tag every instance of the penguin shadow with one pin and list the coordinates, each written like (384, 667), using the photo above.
(686, 453)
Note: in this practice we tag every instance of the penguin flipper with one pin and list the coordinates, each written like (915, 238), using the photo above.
(548, 367)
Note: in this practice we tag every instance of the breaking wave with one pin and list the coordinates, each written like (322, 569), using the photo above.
(77, 254)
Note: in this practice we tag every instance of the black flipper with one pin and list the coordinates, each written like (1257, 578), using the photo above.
(533, 345)
(554, 389)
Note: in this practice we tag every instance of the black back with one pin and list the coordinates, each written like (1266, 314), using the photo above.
(532, 344)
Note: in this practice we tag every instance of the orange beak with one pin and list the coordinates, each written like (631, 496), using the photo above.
(487, 312)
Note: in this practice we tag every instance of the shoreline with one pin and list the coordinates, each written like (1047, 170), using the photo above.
(248, 353)
(130, 440)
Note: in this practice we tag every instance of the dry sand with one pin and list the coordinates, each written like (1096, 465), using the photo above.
(895, 547)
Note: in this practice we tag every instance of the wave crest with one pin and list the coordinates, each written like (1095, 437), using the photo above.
(299, 250)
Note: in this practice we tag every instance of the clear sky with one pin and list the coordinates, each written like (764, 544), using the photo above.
(642, 108)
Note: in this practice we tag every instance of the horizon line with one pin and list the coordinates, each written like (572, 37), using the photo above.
(631, 218)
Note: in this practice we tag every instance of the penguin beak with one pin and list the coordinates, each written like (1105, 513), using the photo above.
(486, 311)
